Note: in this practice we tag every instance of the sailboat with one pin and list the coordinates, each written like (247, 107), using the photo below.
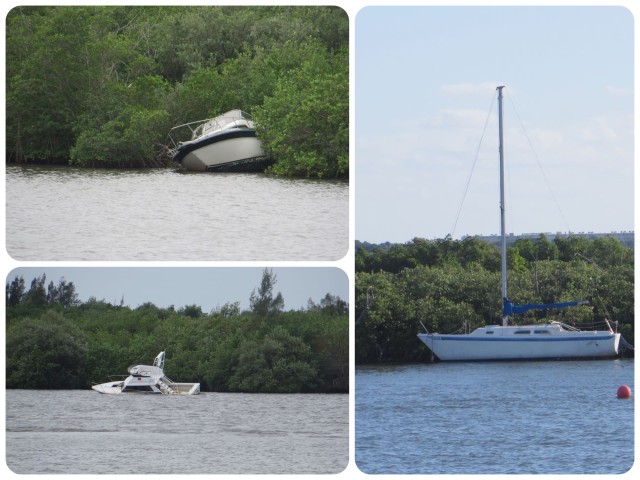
(552, 340)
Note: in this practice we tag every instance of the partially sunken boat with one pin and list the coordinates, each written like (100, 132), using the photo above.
(227, 142)
(145, 379)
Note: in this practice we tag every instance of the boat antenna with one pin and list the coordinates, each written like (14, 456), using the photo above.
(503, 238)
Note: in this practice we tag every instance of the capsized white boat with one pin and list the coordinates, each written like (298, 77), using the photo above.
(553, 340)
(147, 379)
(227, 142)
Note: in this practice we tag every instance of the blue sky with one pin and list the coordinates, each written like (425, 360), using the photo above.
(208, 287)
(425, 80)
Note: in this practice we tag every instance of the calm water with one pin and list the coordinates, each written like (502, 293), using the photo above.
(86, 432)
(79, 214)
(495, 418)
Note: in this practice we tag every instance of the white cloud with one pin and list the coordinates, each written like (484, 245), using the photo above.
(420, 166)
(619, 91)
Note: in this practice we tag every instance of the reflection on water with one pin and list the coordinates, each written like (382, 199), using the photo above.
(84, 214)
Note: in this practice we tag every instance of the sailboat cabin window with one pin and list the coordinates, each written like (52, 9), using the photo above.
(522, 332)
(489, 332)
(542, 331)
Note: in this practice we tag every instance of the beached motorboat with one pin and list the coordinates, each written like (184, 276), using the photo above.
(227, 142)
(147, 379)
(553, 340)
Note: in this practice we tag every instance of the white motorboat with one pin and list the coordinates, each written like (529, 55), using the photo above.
(552, 340)
(147, 379)
(227, 142)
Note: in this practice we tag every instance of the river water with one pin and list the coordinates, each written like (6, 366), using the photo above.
(85, 214)
(495, 418)
(72, 432)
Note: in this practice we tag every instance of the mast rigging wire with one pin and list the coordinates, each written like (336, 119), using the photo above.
(537, 159)
(535, 156)
(473, 166)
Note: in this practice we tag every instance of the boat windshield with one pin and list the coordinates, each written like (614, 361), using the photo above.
(232, 119)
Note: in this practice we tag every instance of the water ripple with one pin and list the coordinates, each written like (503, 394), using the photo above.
(78, 214)
(495, 418)
(85, 432)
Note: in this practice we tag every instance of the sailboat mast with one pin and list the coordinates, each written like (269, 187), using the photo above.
(503, 238)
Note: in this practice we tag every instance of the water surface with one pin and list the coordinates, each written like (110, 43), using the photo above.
(86, 214)
(495, 418)
(69, 432)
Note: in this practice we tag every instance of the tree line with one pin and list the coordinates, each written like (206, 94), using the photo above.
(101, 86)
(449, 286)
(55, 341)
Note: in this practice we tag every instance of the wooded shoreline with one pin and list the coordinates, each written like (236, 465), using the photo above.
(54, 341)
(102, 86)
(454, 285)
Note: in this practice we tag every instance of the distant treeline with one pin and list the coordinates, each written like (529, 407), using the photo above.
(454, 285)
(101, 86)
(55, 341)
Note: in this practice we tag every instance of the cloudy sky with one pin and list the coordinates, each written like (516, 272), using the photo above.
(425, 88)
(207, 287)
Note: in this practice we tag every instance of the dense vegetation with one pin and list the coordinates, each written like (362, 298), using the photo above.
(101, 86)
(55, 341)
(452, 285)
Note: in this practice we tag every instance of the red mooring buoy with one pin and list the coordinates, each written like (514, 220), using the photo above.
(624, 392)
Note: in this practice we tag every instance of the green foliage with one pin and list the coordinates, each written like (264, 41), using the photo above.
(45, 353)
(396, 257)
(63, 294)
(15, 292)
(43, 81)
(452, 286)
(263, 303)
(100, 86)
(312, 138)
(130, 137)
(279, 362)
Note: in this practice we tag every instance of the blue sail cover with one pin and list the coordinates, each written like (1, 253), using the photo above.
(509, 308)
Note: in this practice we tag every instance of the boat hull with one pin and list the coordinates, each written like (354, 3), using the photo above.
(112, 388)
(474, 348)
(147, 379)
(108, 388)
(231, 150)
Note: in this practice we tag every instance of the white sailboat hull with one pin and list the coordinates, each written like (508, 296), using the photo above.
(569, 345)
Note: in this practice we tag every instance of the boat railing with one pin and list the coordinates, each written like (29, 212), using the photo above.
(602, 325)
(195, 129)
(182, 133)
